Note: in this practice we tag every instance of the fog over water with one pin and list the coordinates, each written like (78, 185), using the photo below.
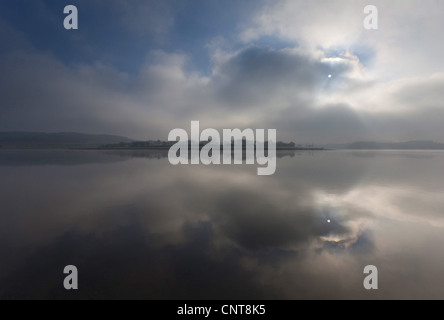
(138, 227)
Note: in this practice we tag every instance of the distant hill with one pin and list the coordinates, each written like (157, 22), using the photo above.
(57, 140)
(409, 145)
(157, 145)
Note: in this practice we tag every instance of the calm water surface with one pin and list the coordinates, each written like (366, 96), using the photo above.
(137, 227)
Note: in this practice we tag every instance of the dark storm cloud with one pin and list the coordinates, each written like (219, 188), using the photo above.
(259, 73)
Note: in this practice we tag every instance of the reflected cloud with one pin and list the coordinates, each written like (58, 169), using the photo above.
(199, 231)
(395, 202)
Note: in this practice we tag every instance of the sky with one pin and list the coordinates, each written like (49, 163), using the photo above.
(308, 69)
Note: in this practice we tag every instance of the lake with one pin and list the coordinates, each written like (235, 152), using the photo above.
(137, 227)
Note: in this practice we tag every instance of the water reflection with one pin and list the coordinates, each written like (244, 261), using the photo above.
(137, 227)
